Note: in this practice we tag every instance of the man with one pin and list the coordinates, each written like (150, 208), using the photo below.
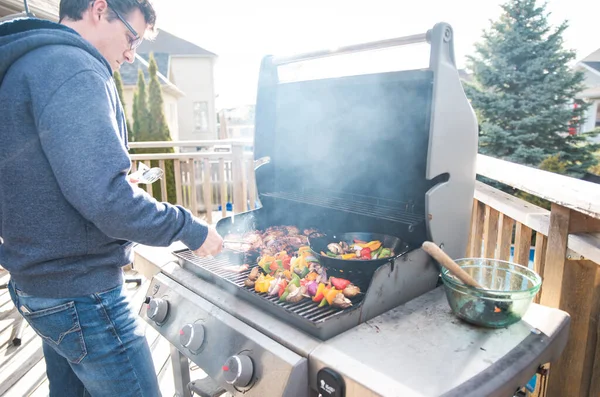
(68, 215)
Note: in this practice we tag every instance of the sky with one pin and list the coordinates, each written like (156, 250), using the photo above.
(241, 32)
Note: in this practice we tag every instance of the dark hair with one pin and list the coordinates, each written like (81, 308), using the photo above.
(74, 9)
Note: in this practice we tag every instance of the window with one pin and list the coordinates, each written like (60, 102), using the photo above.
(201, 116)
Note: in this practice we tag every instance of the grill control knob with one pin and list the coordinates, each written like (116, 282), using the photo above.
(238, 370)
(191, 336)
(158, 309)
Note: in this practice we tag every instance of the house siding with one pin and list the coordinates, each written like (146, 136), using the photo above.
(169, 108)
(195, 77)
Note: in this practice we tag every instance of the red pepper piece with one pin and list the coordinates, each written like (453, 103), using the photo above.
(339, 283)
(365, 253)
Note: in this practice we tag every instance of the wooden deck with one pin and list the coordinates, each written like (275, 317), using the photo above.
(23, 369)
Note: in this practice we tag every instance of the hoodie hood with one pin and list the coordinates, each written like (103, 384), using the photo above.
(20, 36)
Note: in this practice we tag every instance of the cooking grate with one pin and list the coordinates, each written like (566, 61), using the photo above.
(214, 270)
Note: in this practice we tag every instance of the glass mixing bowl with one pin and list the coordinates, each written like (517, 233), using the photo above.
(511, 289)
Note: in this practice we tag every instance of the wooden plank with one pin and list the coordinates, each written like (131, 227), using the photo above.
(568, 192)
(490, 232)
(506, 225)
(193, 197)
(571, 375)
(30, 381)
(18, 360)
(595, 385)
(149, 189)
(237, 165)
(539, 259)
(521, 211)
(538, 219)
(522, 244)
(223, 184)
(471, 228)
(178, 185)
(477, 235)
(555, 255)
(207, 189)
(163, 181)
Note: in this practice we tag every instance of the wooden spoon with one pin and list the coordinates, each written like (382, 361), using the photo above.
(444, 260)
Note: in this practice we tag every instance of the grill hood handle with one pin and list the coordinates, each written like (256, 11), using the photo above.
(374, 45)
(261, 161)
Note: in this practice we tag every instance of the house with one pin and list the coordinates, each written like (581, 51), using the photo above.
(171, 94)
(186, 73)
(45, 9)
(590, 66)
(191, 69)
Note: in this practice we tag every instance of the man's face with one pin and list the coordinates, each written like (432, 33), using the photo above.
(113, 38)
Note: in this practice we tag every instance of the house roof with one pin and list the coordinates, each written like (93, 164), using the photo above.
(593, 64)
(168, 43)
(129, 72)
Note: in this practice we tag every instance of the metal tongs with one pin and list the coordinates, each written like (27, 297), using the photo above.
(239, 243)
(146, 175)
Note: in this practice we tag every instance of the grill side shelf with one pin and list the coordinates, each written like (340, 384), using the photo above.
(322, 323)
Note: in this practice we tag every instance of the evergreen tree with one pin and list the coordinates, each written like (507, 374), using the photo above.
(140, 110)
(158, 128)
(524, 91)
(153, 126)
(119, 85)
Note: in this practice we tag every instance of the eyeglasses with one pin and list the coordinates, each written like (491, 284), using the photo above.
(137, 39)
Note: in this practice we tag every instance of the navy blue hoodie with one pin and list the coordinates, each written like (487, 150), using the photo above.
(67, 213)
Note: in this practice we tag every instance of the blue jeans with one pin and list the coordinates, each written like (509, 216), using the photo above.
(93, 344)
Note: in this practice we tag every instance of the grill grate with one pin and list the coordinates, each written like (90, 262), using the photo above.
(402, 213)
(306, 308)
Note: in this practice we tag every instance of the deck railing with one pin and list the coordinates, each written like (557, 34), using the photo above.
(205, 180)
(566, 253)
(562, 244)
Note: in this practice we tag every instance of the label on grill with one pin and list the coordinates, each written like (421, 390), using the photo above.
(330, 383)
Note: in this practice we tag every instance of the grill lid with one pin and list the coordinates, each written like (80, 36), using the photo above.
(398, 148)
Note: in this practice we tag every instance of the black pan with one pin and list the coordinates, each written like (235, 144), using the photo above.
(344, 268)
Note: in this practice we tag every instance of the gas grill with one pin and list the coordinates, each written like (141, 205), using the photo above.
(390, 153)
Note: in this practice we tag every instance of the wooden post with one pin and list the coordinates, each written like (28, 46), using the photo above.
(207, 190)
(223, 184)
(163, 181)
(193, 197)
(572, 286)
(477, 221)
(490, 228)
(237, 168)
(522, 244)
(505, 226)
(539, 259)
(178, 185)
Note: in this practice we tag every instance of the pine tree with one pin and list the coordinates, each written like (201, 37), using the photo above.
(140, 110)
(119, 85)
(524, 91)
(156, 128)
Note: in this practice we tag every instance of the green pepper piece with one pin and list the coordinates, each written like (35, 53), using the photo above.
(284, 295)
(377, 252)
(385, 253)
(295, 280)
(323, 302)
(305, 271)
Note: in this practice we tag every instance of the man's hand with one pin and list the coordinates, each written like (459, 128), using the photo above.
(212, 245)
